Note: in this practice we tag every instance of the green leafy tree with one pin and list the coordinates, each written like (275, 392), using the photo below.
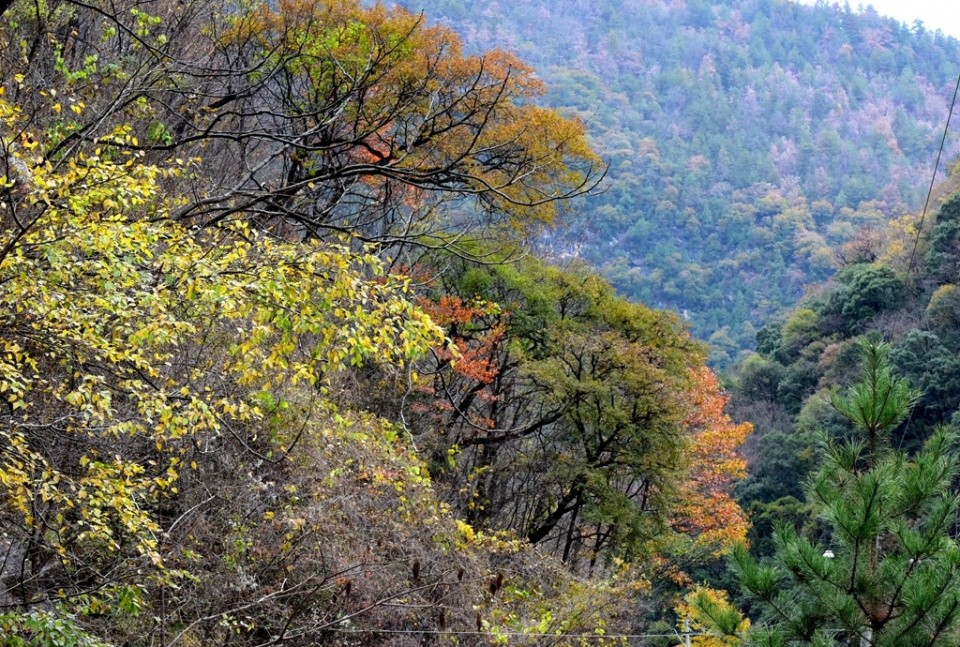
(865, 291)
(564, 409)
(933, 366)
(941, 262)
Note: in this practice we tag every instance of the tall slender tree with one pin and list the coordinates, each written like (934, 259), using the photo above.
(890, 573)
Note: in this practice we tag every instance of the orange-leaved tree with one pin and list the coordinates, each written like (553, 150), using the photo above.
(708, 514)
(313, 117)
(369, 106)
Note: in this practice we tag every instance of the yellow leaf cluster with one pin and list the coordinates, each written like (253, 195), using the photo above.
(710, 614)
(125, 334)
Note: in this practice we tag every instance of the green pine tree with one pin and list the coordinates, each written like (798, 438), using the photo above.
(890, 574)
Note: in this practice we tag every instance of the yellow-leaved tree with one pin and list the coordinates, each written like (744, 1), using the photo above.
(703, 610)
(128, 342)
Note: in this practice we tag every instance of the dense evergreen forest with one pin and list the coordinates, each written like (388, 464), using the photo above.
(901, 288)
(279, 367)
(746, 139)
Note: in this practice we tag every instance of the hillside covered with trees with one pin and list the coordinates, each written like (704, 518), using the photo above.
(851, 485)
(275, 369)
(278, 367)
(899, 286)
(746, 140)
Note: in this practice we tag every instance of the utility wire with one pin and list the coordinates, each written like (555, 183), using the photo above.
(512, 634)
(933, 180)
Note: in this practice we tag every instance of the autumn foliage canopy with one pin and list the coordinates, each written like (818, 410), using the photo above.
(266, 377)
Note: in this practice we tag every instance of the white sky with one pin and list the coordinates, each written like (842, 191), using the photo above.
(935, 14)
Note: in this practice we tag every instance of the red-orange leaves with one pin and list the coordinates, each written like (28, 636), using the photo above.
(451, 309)
(479, 362)
(707, 512)
(473, 350)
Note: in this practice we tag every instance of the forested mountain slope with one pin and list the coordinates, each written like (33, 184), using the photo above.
(270, 373)
(746, 139)
(899, 286)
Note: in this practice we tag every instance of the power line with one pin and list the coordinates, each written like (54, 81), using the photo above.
(933, 180)
(511, 634)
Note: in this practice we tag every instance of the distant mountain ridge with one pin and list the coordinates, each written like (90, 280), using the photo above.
(747, 140)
